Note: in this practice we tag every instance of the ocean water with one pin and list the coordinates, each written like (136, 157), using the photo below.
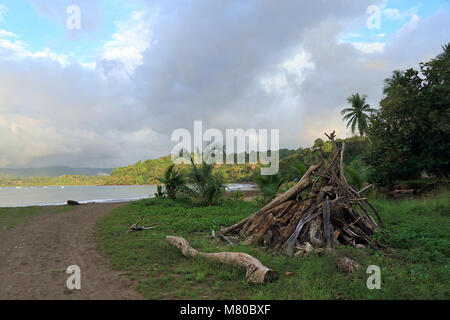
(43, 196)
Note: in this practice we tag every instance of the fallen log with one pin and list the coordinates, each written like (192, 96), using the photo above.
(256, 271)
(135, 227)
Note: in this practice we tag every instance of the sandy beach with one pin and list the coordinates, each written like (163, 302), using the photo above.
(35, 254)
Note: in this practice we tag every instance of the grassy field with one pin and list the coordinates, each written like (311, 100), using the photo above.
(414, 265)
(11, 217)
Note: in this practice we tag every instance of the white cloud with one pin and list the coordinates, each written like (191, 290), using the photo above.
(397, 15)
(132, 38)
(7, 34)
(46, 53)
(369, 47)
(294, 68)
(299, 64)
(11, 47)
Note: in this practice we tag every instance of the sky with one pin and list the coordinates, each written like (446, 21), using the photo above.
(111, 92)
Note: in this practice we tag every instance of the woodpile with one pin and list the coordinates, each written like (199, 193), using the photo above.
(332, 213)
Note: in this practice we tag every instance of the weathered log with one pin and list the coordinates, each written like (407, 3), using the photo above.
(288, 246)
(256, 271)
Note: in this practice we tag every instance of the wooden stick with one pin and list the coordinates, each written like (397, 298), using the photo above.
(365, 188)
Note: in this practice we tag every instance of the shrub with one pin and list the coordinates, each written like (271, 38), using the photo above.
(173, 181)
(207, 187)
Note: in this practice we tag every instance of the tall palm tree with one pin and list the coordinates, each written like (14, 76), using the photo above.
(396, 80)
(356, 115)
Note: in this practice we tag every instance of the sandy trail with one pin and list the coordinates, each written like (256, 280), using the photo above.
(54, 242)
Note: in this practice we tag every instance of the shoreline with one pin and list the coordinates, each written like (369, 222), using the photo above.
(103, 185)
(61, 200)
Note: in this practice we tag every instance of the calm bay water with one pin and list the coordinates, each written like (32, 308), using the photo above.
(41, 196)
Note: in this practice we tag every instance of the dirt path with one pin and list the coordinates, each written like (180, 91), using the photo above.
(31, 252)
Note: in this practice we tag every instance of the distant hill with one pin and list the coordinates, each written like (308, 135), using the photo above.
(52, 172)
(147, 172)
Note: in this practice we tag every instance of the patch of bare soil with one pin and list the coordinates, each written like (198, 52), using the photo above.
(35, 255)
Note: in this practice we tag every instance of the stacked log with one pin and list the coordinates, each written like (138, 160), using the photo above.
(332, 213)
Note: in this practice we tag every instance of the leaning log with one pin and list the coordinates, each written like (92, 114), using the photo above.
(291, 194)
(256, 271)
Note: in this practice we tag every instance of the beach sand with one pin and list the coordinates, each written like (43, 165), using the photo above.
(35, 254)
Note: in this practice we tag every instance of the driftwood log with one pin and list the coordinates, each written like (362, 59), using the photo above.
(256, 271)
(135, 227)
(322, 209)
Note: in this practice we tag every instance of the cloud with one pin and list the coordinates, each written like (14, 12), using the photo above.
(13, 49)
(7, 34)
(397, 15)
(132, 38)
(369, 47)
(246, 64)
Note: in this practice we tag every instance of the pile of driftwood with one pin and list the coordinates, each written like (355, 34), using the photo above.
(333, 212)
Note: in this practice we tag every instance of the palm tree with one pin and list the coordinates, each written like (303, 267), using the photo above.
(395, 81)
(356, 116)
(172, 180)
(207, 186)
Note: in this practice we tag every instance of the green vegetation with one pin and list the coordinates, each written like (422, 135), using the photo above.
(207, 187)
(148, 171)
(66, 180)
(173, 180)
(268, 186)
(409, 135)
(414, 265)
(11, 217)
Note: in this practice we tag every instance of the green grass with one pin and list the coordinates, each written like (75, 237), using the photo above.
(414, 265)
(11, 217)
